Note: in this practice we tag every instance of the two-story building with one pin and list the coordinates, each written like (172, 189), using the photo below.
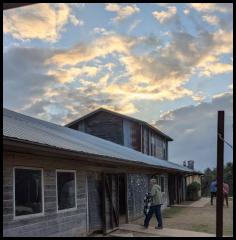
(59, 181)
(124, 130)
(138, 135)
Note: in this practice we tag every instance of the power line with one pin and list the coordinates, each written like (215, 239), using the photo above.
(220, 137)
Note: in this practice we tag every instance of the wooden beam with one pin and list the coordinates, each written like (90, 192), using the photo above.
(219, 176)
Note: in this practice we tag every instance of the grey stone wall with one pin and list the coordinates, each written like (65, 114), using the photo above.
(137, 186)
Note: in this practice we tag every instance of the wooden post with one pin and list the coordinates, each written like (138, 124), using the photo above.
(219, 178)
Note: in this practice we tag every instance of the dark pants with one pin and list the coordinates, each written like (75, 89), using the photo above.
(226, 199)
(157, 210)
(213, 194)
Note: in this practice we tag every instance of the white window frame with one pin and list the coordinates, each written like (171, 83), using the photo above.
(42, 194)
(68, 209)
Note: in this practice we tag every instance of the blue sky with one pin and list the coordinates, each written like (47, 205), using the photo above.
(146, 60)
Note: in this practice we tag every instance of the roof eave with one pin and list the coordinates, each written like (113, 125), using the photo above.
(12, 141)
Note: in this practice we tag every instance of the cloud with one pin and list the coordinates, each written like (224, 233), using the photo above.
(212, 7)
(122, 11)
(102, 31)
(74, 20)
(25, 77)
(100, 47)
(186, 11)
(134, 25)
(164, 16)
(211, 19)
(67, 75)
(198, 97)
(42, 21)
(193, 129)
(47, 91)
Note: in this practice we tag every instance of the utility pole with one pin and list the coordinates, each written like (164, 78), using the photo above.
(219, 178)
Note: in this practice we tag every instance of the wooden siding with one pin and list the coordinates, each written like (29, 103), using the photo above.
(124, 132)
(106, 126)
(177, 189)
(153, 144)
(94, 180)
(132, 135)
(73, 223)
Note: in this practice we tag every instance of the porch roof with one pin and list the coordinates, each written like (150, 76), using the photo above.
(17, 126)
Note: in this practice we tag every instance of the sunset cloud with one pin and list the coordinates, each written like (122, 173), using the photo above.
(43, 21)
(212, 7)
(67, 75)
(163, 16)
(122, 11)
(100, 47)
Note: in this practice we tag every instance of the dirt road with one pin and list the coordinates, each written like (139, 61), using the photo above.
(196, 219)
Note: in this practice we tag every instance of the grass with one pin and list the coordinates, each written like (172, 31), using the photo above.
(202, 228)
(171, 212)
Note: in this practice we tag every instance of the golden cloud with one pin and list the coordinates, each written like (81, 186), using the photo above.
(44, 21)
(99, 48)
(121, 10)
(163, 16)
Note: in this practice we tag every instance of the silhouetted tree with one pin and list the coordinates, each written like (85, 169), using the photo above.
(210, 175)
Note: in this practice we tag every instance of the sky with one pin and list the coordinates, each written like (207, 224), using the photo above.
(169, 64)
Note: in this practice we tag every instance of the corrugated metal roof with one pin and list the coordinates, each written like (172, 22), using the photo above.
(22, 127)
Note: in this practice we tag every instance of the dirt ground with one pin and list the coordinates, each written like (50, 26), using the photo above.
(195, 219)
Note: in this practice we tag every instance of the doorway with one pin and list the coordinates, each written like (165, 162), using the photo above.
(122, 199)
(114, 201)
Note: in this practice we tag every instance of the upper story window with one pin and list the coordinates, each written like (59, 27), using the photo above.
(66, 190)
(28, 191)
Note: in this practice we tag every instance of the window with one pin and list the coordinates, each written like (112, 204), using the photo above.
(66, 190)
(28, 192)
(162, 183)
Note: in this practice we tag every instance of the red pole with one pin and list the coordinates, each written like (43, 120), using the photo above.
(219, 176)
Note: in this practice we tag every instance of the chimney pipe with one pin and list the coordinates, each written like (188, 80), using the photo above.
(184, 163)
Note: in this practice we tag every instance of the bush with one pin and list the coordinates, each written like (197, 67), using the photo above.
(192, 191)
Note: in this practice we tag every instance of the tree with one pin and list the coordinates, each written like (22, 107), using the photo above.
(210, 175)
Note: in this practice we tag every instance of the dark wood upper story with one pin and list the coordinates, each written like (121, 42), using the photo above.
(124, 130)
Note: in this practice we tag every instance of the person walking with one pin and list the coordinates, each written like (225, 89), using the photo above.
(226, 193)
(155, 205)
(213, 191)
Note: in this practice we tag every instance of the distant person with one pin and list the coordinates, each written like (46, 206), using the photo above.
(226, 193)
(155, 205)
(213, 191)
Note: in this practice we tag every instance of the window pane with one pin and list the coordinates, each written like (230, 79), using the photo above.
(65, 190)
(28, 191)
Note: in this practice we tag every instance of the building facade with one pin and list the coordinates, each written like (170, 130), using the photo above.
(62, 182)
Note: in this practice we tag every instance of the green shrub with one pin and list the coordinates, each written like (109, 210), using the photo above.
(192, 191)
